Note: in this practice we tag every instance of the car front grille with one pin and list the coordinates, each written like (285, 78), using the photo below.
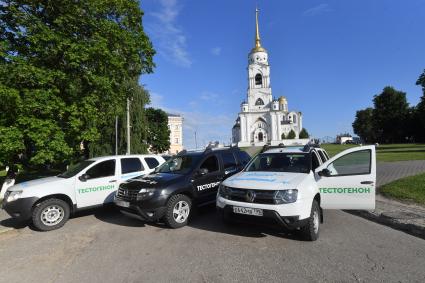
(125, 194)
(260, 196)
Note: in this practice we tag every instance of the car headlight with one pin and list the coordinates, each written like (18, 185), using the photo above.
(286, 196)
(13, 195)
(145, 194)
(224, 191)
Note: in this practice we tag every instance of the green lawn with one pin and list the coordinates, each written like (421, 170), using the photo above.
(387, 152)
(409, 188)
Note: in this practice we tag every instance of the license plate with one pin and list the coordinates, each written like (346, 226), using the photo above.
(248, 211)
(122, 203)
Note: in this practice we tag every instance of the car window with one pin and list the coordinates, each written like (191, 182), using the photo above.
(211, 164)
(326, 154)
(180, 164)
(102, 169)
(74, 170)
(229, 160)
(355, 163)
(322, 156)
(244, 157)
(281, 162)
(314, 161)
(129, 165)
(152, 162)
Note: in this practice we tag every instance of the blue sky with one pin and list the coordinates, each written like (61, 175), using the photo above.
(327, 57)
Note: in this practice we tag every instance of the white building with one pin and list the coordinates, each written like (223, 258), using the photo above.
(263, 119)
(175, 124)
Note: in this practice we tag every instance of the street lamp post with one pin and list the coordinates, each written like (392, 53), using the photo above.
(128, 126)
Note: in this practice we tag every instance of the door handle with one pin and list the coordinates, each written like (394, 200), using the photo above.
(112, 181)
(366, 182)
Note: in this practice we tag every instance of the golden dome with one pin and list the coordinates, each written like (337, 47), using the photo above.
(282, 99)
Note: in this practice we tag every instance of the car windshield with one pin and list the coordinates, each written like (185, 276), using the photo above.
(281, 162)
(179, 164)
(74, 169)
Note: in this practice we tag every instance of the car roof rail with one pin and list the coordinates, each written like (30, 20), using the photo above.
(268, 147)
(310, 146)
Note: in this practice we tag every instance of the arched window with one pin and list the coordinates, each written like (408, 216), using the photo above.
(295, 118)
(260, 137)
(259, 102)
(258, 79)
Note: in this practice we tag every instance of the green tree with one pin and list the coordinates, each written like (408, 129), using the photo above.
(158, 134)
(419, 116)
(138, 125)
(363, 125)
(63, 65)
(291, 135)
(304, 134)
(390, 115)
(283, 136)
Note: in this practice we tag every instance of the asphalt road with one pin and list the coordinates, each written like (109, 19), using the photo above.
(105, 246)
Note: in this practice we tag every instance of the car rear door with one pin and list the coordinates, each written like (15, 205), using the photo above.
(152, 163)
(347, 181)
(131, 167)
(229, 163)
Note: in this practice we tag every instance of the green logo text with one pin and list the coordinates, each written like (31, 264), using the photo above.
(345, 190)
(96, 189)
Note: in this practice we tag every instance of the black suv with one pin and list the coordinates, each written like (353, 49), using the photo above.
(189, 178)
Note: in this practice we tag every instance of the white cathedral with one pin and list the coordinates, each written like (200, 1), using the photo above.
(263, 119)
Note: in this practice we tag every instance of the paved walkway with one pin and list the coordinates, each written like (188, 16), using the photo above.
(391, 171)
(399, 215)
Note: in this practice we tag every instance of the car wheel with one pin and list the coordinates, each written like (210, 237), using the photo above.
(178, 211)
(50, 214)
(311, 230)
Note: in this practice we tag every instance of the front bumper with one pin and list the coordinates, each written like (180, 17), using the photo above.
(20, 209)
(291, 215)
(147, 210)
(269, 217)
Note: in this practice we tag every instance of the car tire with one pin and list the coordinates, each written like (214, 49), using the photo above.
(178, 211)
(50, 214)
(310, 231)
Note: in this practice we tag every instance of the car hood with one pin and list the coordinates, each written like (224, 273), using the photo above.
(39, 183)
(154, 180)
(265, 180)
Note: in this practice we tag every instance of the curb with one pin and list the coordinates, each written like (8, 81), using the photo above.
(412, 229)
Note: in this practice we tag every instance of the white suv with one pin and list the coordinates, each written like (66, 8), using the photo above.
(48, 202)
(290, 186)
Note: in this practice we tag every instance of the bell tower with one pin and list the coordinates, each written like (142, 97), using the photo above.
(259, 91)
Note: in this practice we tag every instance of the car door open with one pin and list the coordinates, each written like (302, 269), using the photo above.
(347, 181)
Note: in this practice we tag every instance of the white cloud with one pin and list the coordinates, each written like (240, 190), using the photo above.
(216, 51)
(170, 38)
(318, 10)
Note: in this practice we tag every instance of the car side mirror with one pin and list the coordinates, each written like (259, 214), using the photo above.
(84, 177)
(324, 173)
(202, 171)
